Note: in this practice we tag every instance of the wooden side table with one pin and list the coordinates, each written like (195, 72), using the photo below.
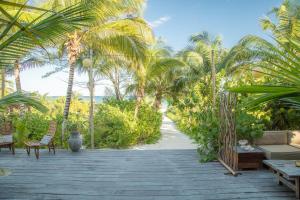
(249, 159)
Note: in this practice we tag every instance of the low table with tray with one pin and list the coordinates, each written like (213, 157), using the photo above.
(249, 159)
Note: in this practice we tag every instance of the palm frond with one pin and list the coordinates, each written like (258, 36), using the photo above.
(18, 98)
(46, 29)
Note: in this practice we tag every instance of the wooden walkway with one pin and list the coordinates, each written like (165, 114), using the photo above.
(130, 175)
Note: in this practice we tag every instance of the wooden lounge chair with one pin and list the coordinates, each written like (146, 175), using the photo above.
(6, 137)
(46, 141)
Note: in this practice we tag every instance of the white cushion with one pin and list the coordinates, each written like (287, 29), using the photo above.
(6, 138)
(46, 139)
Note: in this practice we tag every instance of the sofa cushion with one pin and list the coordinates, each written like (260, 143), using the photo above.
(294, 137)
(273, 138)
(281, 152)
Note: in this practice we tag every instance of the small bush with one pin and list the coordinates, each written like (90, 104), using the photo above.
(248, 127)
(31, 126)
(148, 125)
(116, 127)
(113, 128)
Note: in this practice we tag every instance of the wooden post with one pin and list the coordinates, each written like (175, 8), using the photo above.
(227, 135)
(297, 184)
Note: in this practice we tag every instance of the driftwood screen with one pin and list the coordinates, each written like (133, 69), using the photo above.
(227, 136)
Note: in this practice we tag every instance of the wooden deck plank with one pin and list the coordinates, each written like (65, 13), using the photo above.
(130, 175)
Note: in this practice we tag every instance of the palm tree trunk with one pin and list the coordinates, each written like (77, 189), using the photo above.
(213, 77)
(18, 84)
(116, 84)
(157, 101)
(117, 92)
(73, 47)
(3, 79)
(91, 109)
(140, 93)
(17, 76)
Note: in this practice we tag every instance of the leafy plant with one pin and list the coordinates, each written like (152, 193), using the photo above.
(278, 62)
(248, 126)
(148, 125)
(116, 127)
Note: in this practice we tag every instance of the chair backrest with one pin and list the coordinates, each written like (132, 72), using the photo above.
(6, 128)
(6, 133)
(273, 138)
(52, 128)
(48, 138)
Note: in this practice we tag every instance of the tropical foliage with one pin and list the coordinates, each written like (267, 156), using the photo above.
(115, 125)
(265, 73)
(94, 30)
(110, 40)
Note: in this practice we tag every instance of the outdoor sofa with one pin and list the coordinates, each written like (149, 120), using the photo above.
(280, 145)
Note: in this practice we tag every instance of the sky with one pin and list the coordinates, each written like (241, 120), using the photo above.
(174, 21)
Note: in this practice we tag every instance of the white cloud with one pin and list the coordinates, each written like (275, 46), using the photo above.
(159, 22)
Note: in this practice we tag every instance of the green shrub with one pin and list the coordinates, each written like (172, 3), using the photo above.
(148, 124)
(194, 116)
(30, 126)
(206, 134)
(116, 127)
(248, 127)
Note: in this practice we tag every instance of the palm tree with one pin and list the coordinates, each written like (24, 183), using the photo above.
(120, 77)
(162, 72)
(280, 62)
(152, 75)
(48, 27)
(16, 43)
(20, 98)
(108, 16)
(287, 24)
(104, 41)
(210, 49)
(126, 38)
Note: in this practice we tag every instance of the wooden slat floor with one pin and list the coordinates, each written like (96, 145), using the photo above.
(130, 175)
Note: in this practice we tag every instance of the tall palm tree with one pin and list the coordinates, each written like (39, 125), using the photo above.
(104, 46)
(162, 73)
(128, 44)
(108, 15)
(211, 50)
(152, 74)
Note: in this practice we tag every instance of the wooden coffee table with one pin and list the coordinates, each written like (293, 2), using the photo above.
(249, 159)
(287, 173)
